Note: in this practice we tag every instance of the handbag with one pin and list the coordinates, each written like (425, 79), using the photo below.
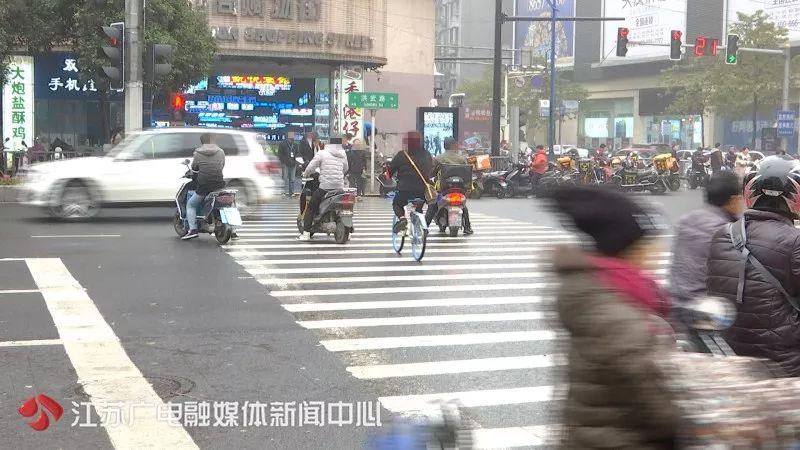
(430, 191)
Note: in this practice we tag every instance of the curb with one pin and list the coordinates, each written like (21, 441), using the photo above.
(9, 194)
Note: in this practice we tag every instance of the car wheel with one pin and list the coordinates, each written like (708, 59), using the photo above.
(76, 202)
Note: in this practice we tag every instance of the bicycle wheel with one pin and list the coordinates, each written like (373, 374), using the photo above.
(398, 240)
(419, 238)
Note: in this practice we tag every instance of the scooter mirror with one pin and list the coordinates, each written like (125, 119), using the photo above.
(299, 160)
(186, 162)
(710, 313)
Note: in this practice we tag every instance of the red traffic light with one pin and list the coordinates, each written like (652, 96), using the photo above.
(178, 102)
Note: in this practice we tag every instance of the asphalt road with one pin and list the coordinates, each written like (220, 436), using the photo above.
(268, 319)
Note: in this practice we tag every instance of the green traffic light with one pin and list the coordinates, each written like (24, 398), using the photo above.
(731, 59)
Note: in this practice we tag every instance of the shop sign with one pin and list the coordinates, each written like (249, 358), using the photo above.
(302, 10)
(347, 118)
(18, 102)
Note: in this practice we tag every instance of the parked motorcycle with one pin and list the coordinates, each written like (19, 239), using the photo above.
(218, 214)
(519, 181)
(553, 178)
(639, 180)
(335, 215)
(386, 182)
(452, 199)
(494, 183)
(477, 186)
(587, 173)
(669, 170)
(698, 177)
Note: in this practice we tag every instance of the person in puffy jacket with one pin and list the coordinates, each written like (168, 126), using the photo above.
(767, 325)
(208, 162)
(332, 164)
(694, 232)
(613, 311)
(539, 165)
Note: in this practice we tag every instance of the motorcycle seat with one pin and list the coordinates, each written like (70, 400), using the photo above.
(334, 193)
(219, 192)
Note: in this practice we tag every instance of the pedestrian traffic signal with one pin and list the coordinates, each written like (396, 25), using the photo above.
(178, 101)
(113, 51)
(675, 45)
(159, 57)
(622, 41)
(732, 49)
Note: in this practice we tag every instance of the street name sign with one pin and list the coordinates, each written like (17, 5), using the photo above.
(374, 100)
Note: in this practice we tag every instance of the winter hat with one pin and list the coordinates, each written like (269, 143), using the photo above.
(612, 219)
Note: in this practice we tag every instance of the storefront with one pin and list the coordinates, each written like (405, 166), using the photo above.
(288, 65)
(606, 121)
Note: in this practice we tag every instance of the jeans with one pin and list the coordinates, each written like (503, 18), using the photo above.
(288, 173)
(191, 210)
(357, 182)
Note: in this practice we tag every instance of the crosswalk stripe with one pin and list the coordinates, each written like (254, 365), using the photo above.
(421, 320)
(31, 343)
(240, 257)
(432, 244)
(382, 343)
(510, 437)
(400, 304)
(387, 278)
(372, 372)
(415, 268)
(409, 404)
(386, 235)
(351, 249)
(410, 289)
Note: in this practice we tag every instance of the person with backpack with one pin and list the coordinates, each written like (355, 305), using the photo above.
(755, 262)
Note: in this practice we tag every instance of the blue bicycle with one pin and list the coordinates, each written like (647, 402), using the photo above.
(416, 229)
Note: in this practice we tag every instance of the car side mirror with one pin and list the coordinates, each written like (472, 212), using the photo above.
(186, 162)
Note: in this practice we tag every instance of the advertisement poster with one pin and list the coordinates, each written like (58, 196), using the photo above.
(18, 103)
(435, 125)
(536, 35)
(784, 13)
(648, 22)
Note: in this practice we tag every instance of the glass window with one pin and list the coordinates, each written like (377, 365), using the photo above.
(159, 146)
(232, 144)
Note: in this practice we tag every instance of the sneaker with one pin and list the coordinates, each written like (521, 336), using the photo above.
(400, 225)
(190, 235)
(304, 237)
(234, 236)
(468, 231)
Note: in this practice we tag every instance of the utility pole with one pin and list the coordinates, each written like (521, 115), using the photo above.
(786, 75)
(133, 65)
(551, 123)
(498, 72)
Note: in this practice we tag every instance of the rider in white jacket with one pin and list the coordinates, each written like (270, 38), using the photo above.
(332, 164)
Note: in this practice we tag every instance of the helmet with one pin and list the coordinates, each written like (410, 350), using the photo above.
(776, 178)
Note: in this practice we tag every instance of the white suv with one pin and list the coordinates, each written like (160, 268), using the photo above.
(145, 168)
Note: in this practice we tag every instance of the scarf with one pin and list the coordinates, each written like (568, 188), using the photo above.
(637, 287)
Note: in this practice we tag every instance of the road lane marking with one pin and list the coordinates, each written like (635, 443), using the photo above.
(31, 343)
(410, 404)
(410, 268)
(377, 371)
(436, 340)
(395, 258)
(413, 289)
(510, 437)
(387, 278)
(79, 236)
(18, 291)
(509, 236)
(399, 304)
(105, 370)
(11, 259)
(346, 249)
(387, 243)
(422, 320)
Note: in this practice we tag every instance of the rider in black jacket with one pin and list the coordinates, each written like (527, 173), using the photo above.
(410, 183)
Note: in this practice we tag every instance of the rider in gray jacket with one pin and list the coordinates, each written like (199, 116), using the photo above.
(332, 164)
(688, 272)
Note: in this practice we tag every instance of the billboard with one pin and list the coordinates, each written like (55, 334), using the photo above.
(649, 22)
(784, 13)
(535, 36)
(435, 125)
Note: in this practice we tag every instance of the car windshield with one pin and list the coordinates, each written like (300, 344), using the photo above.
(127, 145)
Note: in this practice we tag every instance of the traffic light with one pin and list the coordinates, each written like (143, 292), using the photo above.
(675, 45)
(113, 51)
(159, 57)
(178, 102)
(732, 49)
(622, 41)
